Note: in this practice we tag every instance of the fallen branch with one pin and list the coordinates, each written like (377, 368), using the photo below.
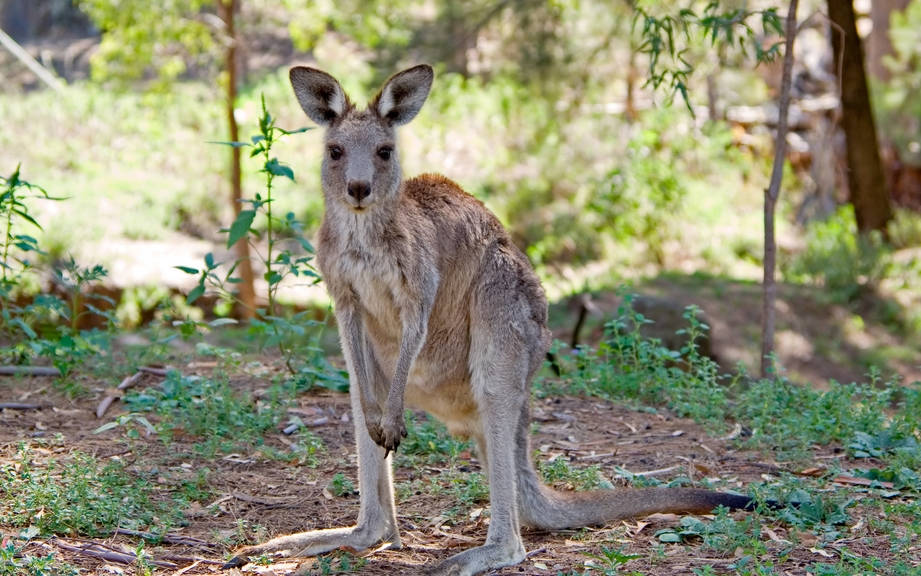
(103, 552)
(263, 500)
(162, 372)
(855, 481)
(177, 539)
(20, 406)
(125, 384)
(196, 559)
(29, 371)
(292, 427)
(648, 473)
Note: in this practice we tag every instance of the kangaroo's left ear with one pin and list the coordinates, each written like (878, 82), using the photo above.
(403, 95)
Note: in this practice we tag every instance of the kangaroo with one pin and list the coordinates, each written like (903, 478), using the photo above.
(436, 306)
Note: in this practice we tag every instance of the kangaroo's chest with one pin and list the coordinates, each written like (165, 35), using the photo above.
(375, 277)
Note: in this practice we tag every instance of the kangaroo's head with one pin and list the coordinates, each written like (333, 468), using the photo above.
(360, 164)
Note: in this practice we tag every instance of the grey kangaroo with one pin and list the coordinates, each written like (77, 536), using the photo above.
(436, 305)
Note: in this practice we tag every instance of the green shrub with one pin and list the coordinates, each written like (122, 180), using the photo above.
(846, 264)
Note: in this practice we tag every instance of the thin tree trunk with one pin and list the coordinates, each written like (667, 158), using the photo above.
(878, 44)
(246, 308)
(630, 103)
(771, 194)
(865, 177)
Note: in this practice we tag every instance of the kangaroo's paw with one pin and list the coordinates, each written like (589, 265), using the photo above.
(387, 432)
(393, 430)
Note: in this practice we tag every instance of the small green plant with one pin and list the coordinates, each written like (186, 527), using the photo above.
(208, 408)
(288, 253)
(560, 471)
(132, 422)
(610, 560)
(341, 485)
(627, 365)
(79, 495)
(723, 534)
(428, 439)
(46, 326)
(17, 247)
(790, 418)
(341, 562)
(837, 258)
(468, 488)
(142, 564)
(14, 562)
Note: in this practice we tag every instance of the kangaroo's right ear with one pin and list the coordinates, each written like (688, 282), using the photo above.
(319, 94)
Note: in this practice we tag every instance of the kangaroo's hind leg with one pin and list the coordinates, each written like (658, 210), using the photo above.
(506, 346)
(377, 511)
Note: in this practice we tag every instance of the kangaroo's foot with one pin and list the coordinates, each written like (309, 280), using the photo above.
(480, 559)
(317, 542)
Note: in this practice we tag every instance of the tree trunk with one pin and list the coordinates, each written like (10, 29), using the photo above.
(878, 43)
(246, 306)
(771, 194)
(865, 177)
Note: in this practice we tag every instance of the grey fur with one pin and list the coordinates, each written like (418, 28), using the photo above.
(436, 305)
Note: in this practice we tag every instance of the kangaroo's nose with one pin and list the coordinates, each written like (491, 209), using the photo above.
(359, 190)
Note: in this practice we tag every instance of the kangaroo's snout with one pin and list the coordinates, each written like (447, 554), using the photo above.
(359, 189)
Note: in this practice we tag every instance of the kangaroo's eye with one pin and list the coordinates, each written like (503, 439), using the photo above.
(384, 152)
(335, 152)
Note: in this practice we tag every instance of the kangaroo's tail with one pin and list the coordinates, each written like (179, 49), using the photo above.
(543, 507)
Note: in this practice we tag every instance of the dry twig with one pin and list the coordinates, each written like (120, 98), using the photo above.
(166, 538)
(20, 406)
(103, 552)
(125, 384)
(29, 371)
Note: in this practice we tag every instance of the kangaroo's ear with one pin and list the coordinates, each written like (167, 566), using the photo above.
(319, 94)
(403, 95)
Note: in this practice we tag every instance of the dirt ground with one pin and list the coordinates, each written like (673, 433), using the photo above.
(281, 497)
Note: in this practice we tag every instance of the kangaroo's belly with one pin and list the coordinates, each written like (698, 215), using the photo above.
(439, 381)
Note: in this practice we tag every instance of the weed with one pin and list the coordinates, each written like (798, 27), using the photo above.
(209, 409)
(429, 440)
(13, 562)
(629, 366)
(198, 488)
(468, 488)
(610, 560)
(791, 418)
(723, 534)
(560, 471)
(341, 485)
(295, 261)
(79, 496)
(341, 562)
(17, 247)
(142, 564)
(35, 328)
(843, 262)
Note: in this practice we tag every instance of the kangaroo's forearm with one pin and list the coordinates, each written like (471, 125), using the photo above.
(355, 348)
(410, 345)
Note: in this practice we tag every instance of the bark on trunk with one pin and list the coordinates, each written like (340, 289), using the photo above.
(246, 307)
(866, 181)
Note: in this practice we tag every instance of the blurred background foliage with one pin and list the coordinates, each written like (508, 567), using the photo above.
(541, 108)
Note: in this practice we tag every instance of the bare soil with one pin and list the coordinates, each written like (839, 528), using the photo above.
(271, 497)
